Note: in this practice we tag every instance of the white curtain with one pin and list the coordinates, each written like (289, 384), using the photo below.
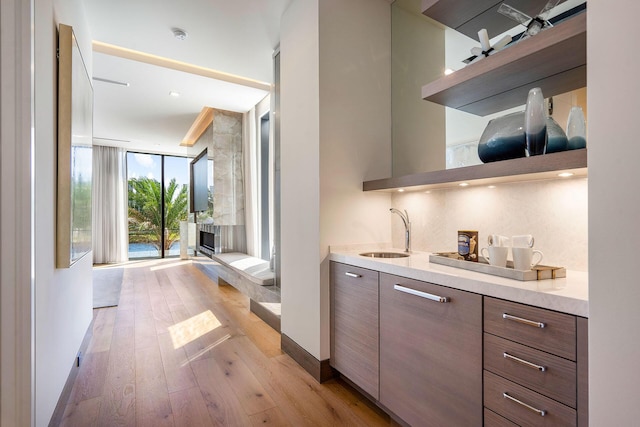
(109, 205)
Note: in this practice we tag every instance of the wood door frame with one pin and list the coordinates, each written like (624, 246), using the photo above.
(16, 217)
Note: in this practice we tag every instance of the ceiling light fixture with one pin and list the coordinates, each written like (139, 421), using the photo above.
(114, 82)
(401, 190)
(491, 186)
(174, 94)
(565, 174)
(463, 184)
(179, 33)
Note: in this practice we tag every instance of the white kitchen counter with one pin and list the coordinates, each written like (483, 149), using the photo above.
(567, 295)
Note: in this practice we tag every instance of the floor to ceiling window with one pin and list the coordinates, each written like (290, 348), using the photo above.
(158, 201)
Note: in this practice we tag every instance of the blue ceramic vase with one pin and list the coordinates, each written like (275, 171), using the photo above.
(504, 138)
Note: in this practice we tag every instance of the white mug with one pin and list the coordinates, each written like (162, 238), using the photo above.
(522, 241)
(496, 255)
(523, 258)
(497, 240)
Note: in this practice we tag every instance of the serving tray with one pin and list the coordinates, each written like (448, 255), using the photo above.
(539, 272)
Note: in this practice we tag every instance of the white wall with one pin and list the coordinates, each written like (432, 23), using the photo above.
(336, 133)
(614, 209)
(554, 212)
(63, 298)
(300, 184)
(355, 129)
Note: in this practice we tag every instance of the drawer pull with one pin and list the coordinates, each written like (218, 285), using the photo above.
(520, 402)
(354, 275)
(524, 362)
(421, 294)
(523, 321)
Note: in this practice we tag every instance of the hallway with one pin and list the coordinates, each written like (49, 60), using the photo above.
(179, 350)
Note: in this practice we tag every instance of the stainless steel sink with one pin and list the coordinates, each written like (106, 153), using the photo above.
(385, 254)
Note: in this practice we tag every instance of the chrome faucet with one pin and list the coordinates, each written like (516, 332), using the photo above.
(407, 228)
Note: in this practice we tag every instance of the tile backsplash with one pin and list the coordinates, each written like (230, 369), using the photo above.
(553, 211)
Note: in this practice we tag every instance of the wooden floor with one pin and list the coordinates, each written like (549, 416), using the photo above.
(179, 350)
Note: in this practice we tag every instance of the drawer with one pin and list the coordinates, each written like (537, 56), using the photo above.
(348, 274)
(491, 419)
(354, 325)
(499, 394)
(546, 330)
(554, 376)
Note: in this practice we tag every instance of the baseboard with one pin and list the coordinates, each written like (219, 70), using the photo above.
(319, 369)
(269, 317)
(58, 413)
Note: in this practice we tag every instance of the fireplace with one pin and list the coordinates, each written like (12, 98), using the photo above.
(207, 240)
(214, 239)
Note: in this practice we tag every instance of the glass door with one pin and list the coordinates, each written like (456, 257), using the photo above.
(176, 201)
(144, 172)
(158, 201)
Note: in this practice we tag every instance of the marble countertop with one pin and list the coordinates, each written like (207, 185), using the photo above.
(567, 295)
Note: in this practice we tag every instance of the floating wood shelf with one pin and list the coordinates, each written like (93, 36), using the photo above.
(469, 16)
(524, 169)
(554, 60)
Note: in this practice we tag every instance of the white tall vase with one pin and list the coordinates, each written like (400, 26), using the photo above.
(535, 123)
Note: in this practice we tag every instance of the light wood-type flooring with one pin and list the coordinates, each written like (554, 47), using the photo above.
(179, 350)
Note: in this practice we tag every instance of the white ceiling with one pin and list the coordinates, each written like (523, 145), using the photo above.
(232, 36)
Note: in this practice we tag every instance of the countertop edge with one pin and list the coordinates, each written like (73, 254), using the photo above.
(566, 295)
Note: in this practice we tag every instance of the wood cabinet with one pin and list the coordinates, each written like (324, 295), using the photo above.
(534, 365)
(354, 325)
(430, 352)
(438, 356)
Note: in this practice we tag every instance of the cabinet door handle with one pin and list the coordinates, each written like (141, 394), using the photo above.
(420, 294)
(348, 273)
(524, 362)
(523, 321)
(520, 402)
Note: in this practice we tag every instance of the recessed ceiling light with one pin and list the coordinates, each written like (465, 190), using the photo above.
(401, 190)
(174, 93)
(491, 186)
(179, 33)
(565, 174)
(463, 184)
(448, 71)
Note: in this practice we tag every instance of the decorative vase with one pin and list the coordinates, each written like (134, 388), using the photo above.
(556, 138)
(576, 129)
(535, 123)
(504, 138)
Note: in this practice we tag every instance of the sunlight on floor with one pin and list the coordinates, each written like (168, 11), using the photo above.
(153, 263)
(174, 264)
(188, 330)
(204, 350)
